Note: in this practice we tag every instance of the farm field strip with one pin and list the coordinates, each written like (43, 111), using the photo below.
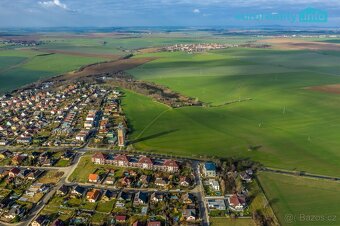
(299, 198)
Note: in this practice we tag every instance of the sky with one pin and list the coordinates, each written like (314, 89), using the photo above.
(108, 13)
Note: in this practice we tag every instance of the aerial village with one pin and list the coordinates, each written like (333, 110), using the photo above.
(196, 48)
(65, 160)
(66, 116)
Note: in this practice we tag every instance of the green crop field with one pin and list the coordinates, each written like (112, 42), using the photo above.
(21, 67)
(231, 222)
(302, 201)
(294, 128)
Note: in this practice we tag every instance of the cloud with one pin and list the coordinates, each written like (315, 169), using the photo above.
(196, 11)
(53, 3)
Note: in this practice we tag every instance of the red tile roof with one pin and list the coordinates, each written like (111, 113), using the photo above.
(15, 170)
(94, 194)
(236, 200)
(121, 158)
(170, 163)
(120, 218)
(93, 176)
(154, 223)
(99, 155)
(144, 160)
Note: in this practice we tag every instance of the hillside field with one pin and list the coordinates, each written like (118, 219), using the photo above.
(292, 127)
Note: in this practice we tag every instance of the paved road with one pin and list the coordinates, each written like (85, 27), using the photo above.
(37, 208)
(200, 195)
(69, 170)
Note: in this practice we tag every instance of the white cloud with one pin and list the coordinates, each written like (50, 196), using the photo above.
(196, 11)
(53, 3)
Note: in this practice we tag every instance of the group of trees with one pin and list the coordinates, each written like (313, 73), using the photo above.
(157, 92)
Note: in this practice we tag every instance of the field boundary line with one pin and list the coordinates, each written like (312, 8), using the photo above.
(300, 174)
(267, 200)
(152, 122)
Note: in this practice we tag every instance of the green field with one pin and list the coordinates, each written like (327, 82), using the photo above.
(115, 44)
(21, 67)
(283, 119)
(303, 199)
(230, 222)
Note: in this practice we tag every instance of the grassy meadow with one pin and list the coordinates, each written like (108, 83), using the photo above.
(302, 197)
(283, 119)
(214, 221)
(19, 67)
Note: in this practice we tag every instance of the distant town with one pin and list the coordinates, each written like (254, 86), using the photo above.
(195, 48)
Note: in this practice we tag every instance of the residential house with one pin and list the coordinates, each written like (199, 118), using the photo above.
(121, 160)
(14, 172)
(214, 184)
(63, 190)
(94, 178)
(93, 195)
(217, 204)
(5, 154)
(124, 196)
(154, 223)
(34, 174)
(141, 198)
(25, 140)
(145, 163)
(108, 195)
(41, 220)
(184, 181)
(170, 165)
(15, 211)
(187, 198)
(3, 142)
(38, 187)
(144, 180)
(3, 172)
(237, 202)
(99, 158)
(138, 223)
(156, 197)
(68, 155)
(125, 182)
(58, 222)
(109, 180)
(209, 169)
(189, 214)
(83, 135)
(78, 191)
(161, 182)
(24, 173)
(18, 159)
(245, 177)
(120, 218)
